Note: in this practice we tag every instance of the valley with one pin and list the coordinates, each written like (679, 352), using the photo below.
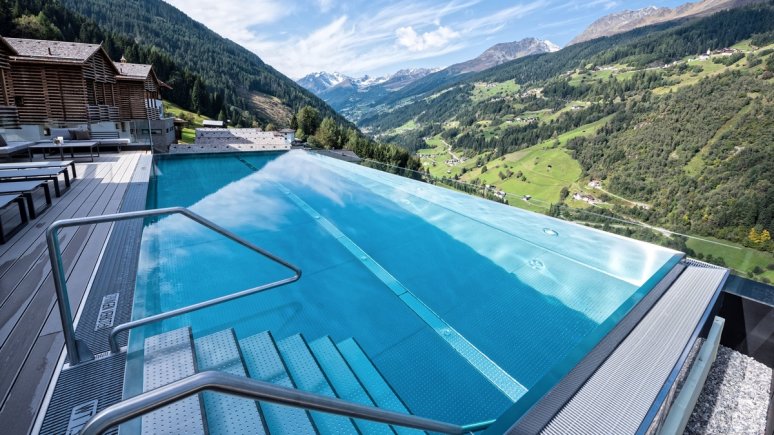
(592, 139)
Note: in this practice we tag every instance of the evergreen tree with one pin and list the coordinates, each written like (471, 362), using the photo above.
(197, 96)
(308, 122)
(328, 134)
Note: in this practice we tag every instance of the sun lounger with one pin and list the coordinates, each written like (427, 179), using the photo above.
(6, 202)
(51, 174)
(26, 189)
(36, 165)
(8, 149)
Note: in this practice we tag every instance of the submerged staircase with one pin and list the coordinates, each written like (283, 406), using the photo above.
(321, 366)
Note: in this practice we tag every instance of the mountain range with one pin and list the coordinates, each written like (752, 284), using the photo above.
(322, 81)
(627, 20)
(354, 96)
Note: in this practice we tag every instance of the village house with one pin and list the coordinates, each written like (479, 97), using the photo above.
(578, 196)
(140, 106)
(54, 85)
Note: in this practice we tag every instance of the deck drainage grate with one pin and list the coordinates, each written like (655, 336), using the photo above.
(80, 415)
(107, 311)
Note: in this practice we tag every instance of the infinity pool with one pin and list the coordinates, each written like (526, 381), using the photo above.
(463, 304)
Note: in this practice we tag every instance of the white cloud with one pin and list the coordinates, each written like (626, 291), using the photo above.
(233, 18)
(491, 23)
(435, 39)
(366, 38)
(325, 5)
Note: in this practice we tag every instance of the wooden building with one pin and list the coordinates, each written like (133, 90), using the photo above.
(59, 83)
(139, 91)
(9, 117)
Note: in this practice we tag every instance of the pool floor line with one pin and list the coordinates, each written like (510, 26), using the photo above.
(504, 382)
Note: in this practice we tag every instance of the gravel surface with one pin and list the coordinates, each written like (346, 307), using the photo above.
(735, 398)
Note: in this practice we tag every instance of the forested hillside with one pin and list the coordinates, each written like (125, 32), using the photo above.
(669, 125)
(210, 75)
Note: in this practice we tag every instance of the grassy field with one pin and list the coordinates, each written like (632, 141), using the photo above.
(194, 120)
(737, 257)
(485, 91)
(409, 125)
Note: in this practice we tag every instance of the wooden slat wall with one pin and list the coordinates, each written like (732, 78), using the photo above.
(71, 93)
(101, 87)
(4, 53)
(49, 92)
(9, 117)
(6, 85)
(132, 99)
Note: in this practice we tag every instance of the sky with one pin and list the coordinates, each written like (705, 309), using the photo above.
(378, 37)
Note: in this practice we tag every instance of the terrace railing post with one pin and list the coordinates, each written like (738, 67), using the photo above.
(77, 350)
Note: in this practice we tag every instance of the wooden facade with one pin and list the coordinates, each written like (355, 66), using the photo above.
(140, 91)
(56, 83)
(9, 117)
(59, 82)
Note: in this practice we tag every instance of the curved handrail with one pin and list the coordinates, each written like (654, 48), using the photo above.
(77, 350)
(259, 390)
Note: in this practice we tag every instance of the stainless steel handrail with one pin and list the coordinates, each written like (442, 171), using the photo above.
(259, 390)
(77, 350)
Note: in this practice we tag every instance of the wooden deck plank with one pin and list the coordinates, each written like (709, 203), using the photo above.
(26, 353)
(89, 173)
(32, 317)
(16, 301)
(18, 415)
(62, 207)
(19, 260)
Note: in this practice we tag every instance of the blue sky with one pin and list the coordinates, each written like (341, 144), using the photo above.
(377, 37)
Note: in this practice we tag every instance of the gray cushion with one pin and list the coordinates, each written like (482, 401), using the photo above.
(2, 141)
(81, 134)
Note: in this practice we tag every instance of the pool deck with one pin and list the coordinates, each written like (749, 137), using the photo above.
(31, 340)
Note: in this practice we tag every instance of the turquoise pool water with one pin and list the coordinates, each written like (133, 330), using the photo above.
(463, 304)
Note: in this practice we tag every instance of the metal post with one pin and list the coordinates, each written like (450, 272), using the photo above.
(77, 350)
(150, 130)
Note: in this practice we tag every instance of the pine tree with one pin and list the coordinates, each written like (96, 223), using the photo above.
(197, 96)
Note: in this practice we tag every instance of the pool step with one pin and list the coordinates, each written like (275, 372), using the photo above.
(308, 376)
(169, 357)
(226, 414)
(265, 364)
(380, 391)
(321, 366)
(345, 382)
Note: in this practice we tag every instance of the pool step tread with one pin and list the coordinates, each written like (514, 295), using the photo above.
(226, 414)
(308, 376)
(344, 381)
(377, 387)
(264, 363)
(169, 357)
